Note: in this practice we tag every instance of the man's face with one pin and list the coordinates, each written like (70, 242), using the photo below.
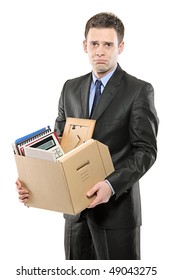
(103, 49)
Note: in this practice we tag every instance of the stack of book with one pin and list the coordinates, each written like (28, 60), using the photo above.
(42, 143)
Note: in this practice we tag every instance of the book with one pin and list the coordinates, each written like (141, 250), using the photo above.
(19, 144)
(42, 140)
(33, 135)
(32, 141)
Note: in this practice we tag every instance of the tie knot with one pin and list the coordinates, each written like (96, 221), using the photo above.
(98, 83)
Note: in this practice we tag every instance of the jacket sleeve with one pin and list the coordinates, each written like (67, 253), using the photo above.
(61, 118)
(143, 127)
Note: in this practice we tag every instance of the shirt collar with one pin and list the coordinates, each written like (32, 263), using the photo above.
(105, 78)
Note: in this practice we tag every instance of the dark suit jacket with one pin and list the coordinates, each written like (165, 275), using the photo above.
(126, 121)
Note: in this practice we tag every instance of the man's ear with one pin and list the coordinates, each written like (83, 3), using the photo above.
(121, 47)
(85, 46)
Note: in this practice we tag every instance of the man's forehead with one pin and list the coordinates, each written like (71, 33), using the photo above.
(102, 34)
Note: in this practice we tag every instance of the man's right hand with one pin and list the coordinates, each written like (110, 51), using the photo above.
(23, 193)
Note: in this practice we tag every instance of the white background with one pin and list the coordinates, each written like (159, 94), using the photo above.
(41, 47)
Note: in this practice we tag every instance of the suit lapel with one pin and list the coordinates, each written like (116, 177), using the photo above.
(109, 93)
(106, 98)
(84, 96)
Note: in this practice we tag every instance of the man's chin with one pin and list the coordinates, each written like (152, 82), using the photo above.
(101, 70)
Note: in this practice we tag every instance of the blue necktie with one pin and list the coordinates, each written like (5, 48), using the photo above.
(97, 96)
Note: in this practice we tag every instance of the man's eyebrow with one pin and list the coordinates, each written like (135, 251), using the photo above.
(93, 41)
(110, 43)
(104, 42)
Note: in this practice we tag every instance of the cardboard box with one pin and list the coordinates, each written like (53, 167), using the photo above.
(61, 186)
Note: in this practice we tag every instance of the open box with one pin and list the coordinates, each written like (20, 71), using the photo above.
(62, 186)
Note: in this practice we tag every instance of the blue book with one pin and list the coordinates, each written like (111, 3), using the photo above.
(29, 137)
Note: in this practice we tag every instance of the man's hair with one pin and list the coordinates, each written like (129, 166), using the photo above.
(106, 20)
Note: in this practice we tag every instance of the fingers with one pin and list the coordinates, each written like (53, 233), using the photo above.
(23, 193)
(95, 202)
(102, 192)
(18, 184)
(92, 191)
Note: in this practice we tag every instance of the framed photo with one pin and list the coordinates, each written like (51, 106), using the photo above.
(76, 132)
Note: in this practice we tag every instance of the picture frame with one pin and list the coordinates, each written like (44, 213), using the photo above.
(76, 132)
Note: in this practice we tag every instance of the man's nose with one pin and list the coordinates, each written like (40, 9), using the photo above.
(100, 51)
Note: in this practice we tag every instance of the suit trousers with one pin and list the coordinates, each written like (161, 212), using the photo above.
(85, 241)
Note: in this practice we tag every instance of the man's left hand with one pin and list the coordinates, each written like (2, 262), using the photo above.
(102, 191)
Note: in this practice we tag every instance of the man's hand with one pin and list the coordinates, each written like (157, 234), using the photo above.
(102, 191)
(22, 192)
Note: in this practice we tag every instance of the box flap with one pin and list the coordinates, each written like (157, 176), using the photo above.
(83, 168)
(46, 183)
(106, 158)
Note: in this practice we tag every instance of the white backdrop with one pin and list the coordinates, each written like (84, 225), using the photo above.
(41, 47)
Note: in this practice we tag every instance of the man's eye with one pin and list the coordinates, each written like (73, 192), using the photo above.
(94, 44)
(108, 45)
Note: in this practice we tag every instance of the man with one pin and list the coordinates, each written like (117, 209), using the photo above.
(126, 121)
